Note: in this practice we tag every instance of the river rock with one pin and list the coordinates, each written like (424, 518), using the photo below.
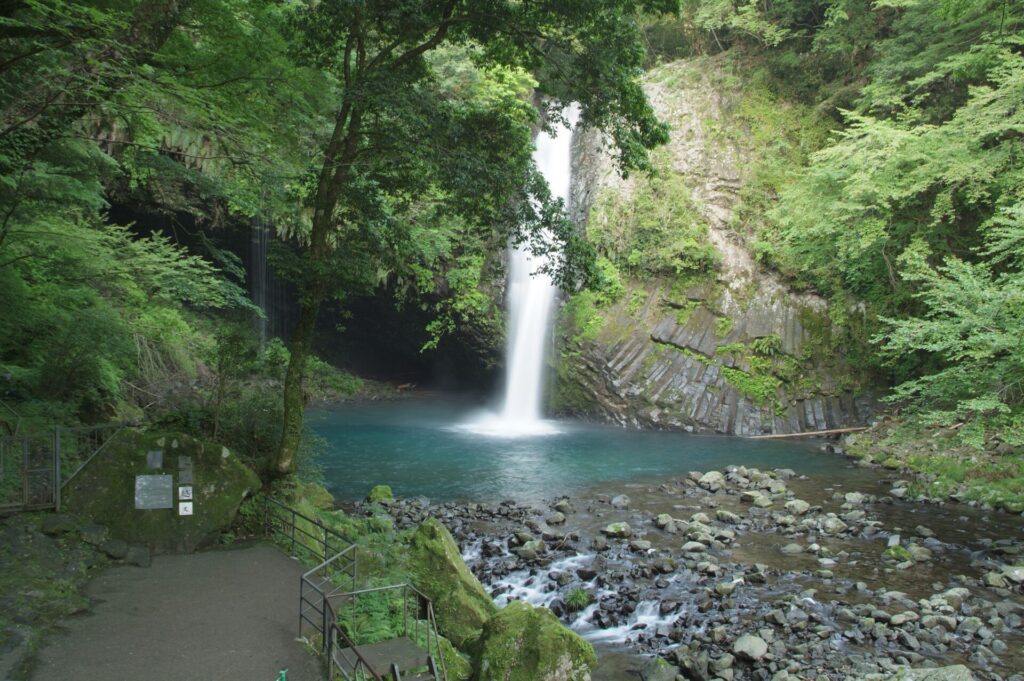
(658, 669)
(620, 501)
(994, 579)
(728, 516)
(797, 506)
(721, 663)
(667, 523)
(556, 518)
(750, 647)
(712, 481)
(618, 530)
(833, 525)
(694, 547)
(1014, 573)
(531, 550)
(952, 673)
(563, 506)
(640, 545)
(792, 549)
(919, 553)
(955, 597)
(854, 498)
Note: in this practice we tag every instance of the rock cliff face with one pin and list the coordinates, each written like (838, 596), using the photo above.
(731, 349)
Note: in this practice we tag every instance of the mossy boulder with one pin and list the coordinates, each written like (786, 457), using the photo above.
(104, 492)
(317, 495)
(523, 643)
(380, 494)
(460, 601)
(455, 663)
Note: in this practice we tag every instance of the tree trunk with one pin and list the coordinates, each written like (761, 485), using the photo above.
(294, 402)
(333, 175)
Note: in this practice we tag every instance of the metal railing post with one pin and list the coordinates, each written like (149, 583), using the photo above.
(24, 472)
(293, 533)
(56, 468)
(302, 600)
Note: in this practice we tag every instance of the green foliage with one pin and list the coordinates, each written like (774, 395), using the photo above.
(723, 325)
(768, 346)
(380, 493)
(759, 387)
(657, 231)
(577, 599)
(897, 553)
(972, 325)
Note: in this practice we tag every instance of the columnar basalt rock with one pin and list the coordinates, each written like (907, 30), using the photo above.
(735, 351)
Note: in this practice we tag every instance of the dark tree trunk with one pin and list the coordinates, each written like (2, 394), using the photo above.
(294, 401)
(333, 176)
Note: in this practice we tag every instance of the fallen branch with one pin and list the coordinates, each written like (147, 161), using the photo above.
(811, 433)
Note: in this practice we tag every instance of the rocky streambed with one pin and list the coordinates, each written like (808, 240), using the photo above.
(743, 573)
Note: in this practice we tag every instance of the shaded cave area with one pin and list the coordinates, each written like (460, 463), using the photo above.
(374, 338)
(371, 337)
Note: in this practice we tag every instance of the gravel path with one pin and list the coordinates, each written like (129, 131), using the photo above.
(226, 615)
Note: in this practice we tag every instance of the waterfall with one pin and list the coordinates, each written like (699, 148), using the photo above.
(531, 296)
(259, 275)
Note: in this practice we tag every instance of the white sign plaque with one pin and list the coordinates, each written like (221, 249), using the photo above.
(185, 508)
(154, 491)
(185, 492)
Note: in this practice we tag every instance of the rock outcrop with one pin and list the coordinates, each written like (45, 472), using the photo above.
(462, 604)
(732, 351)
(105, 491)
(523, 643)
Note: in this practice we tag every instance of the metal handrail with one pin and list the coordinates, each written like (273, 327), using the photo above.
(16, 415)
(361, 663)
(60, 430)
(313, 597)
(433, 640)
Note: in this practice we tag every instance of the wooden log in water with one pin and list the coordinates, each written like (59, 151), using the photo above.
(812, 433)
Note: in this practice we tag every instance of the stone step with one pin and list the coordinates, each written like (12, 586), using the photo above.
(401, 651)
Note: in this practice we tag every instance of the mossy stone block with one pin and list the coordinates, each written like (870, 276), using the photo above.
(460, 601)
(523, 643)
(104, 492)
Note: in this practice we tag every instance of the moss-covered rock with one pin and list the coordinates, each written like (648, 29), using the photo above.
(456, 664)
(380, 494)
(104, 492)
(523, 643)
(460, 601)
(317, 495)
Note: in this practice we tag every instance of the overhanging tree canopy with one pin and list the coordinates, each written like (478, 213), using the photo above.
(397, 136)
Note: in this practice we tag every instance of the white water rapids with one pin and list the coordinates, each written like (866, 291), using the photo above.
(521, 585)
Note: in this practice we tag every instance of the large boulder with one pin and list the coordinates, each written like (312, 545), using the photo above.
(460, 601)
(523, 643)
(104, 491)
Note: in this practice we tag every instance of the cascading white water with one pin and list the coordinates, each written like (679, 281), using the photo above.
(531, 296)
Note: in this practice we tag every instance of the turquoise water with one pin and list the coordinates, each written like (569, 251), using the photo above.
(418, 447)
